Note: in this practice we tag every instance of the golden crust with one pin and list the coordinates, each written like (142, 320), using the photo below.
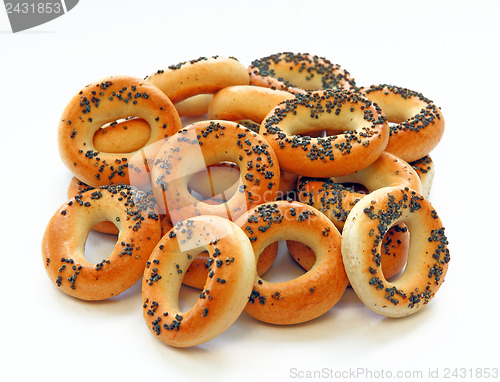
(66, 233)
(361, 133)
(77, 187)
(418, 124)
(428, 256)
(200, 76)
(298, 73)
(194, 106)
(107, 101)
(311, 294)
(225, 293)
(253, 103)
(122, 137)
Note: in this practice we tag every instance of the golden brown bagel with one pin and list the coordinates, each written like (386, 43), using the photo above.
(311, 294)
(107, 101)
(298, 73)
(336, 200)
(425, 169)
(361, 131)
(418, 124)
(63, 243)
(203, 144)
(428, 258)
(200, 76)
(225, 294)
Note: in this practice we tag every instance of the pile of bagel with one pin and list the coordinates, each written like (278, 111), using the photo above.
(201, 168)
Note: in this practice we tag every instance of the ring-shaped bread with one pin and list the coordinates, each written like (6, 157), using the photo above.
(107, 101)
(203, 144)
(360, 132)
(428, 256)
(335, 199)
(311, 294)
(229, 283)
(299, 73)
(204, 75)
(63, 244)
(417, 124)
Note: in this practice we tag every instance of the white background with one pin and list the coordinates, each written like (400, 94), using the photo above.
(447, 50)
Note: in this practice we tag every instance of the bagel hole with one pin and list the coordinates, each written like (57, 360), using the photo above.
(216, 183)
(284, 268)
(99, 246)
(356, 187)
(188, 297)
(302, 254)
(333, 132)
(124, 135)
(313, 134)
(394, 252)
(189, 293)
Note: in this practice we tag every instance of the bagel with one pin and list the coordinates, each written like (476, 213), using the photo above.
(206, 143)
(204, 75)
(428, 256)
(361, 132)
(425, 169)
(394, 251)
(417, 123)
(299, 73)
(336, 200)
(108, 101)
(225, 294)
(311, 294)
(63, 243)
